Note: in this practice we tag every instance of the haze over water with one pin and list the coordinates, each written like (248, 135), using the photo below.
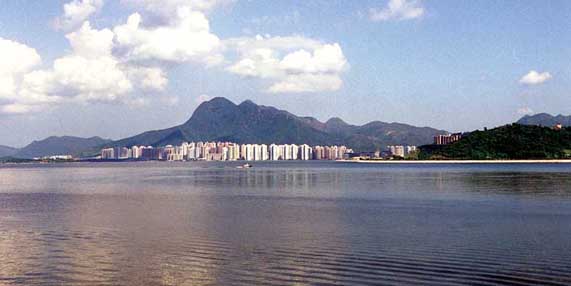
(314, 223)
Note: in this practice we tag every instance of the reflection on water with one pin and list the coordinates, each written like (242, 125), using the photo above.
(292, 223)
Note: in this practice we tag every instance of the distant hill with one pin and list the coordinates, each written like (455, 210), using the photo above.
(66, 145)
(515, 141)
(6, 151)
(221, 120)
(544, 119)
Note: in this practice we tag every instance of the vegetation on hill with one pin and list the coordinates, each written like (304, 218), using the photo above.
(513, 141)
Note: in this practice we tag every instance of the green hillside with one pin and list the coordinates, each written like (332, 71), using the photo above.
(513, 141)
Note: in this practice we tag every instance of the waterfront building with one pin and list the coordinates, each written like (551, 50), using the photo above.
(306, 152)
(397, 151)
(410, 150)
(447, 139)
(226, 151)
(136, 152)
(274, 152)
(318, 153)
(108, 154)
(150, 153)
(265, 154)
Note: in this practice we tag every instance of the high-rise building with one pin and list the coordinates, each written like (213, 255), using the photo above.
(265, 154)
(227, 151)
(447, 139)
(274, 152)
(306, 152)
(108, 154)
(396, 150)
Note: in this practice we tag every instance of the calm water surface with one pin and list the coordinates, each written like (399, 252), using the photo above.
(285, 224)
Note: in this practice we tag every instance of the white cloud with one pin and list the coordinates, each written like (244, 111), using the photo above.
(307, 83)
(90, 43)
(188, 39)
(398, 10)
(324, 59)
(168, 9)
(17, 59)
(90, 73)
(76, 12)
(125, 63)
(202, 98)
(525, 111)
(148, 78)
(15, 108)
(260, 62)
(291, 64)
(535, 78)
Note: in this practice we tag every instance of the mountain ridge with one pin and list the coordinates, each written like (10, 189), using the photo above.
(59, 145)
(545, 119)
(6, 151)
(222, 120)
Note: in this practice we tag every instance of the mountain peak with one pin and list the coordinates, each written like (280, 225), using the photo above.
(219, 101)
(221, 120)
(247, 103)
(336, 121)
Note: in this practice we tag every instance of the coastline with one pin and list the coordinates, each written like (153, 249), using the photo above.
(542, 161)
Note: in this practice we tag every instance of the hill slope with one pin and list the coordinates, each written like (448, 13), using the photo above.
(66, 145)
(544, 119)
(222, 120)
(513, 141)
(6, 151)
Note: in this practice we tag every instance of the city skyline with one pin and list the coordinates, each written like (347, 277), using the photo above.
(226, 151)
(416, 62)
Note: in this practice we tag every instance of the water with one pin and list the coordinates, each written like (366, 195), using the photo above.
(310, 223)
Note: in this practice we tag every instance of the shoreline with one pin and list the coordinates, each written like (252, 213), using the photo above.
(540, 161)
(388, 162)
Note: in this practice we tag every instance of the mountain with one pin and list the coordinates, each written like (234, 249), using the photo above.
(221, 120)
(544, 119)
(514, 141)
(6, 151)
(66, 145)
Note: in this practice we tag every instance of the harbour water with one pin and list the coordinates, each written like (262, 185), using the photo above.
(298, 223)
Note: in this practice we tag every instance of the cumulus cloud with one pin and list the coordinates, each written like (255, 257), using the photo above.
(323, 59)
(535, 78)
(398, 10)
(187, 39)
(15, 108)
(89, 73)
(148, 78)
(525, 111)
(292, 64)
(76, 12)
(307, 83)
(17, 60)
(124, 63)
(167, 9)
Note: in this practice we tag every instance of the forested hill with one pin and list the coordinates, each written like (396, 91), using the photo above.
(513, 141)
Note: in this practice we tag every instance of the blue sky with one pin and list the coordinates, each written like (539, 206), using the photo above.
(455, 65)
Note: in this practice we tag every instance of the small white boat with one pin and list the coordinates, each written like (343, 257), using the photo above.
(245, 166)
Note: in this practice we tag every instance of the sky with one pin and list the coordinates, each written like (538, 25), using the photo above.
(116, 68)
